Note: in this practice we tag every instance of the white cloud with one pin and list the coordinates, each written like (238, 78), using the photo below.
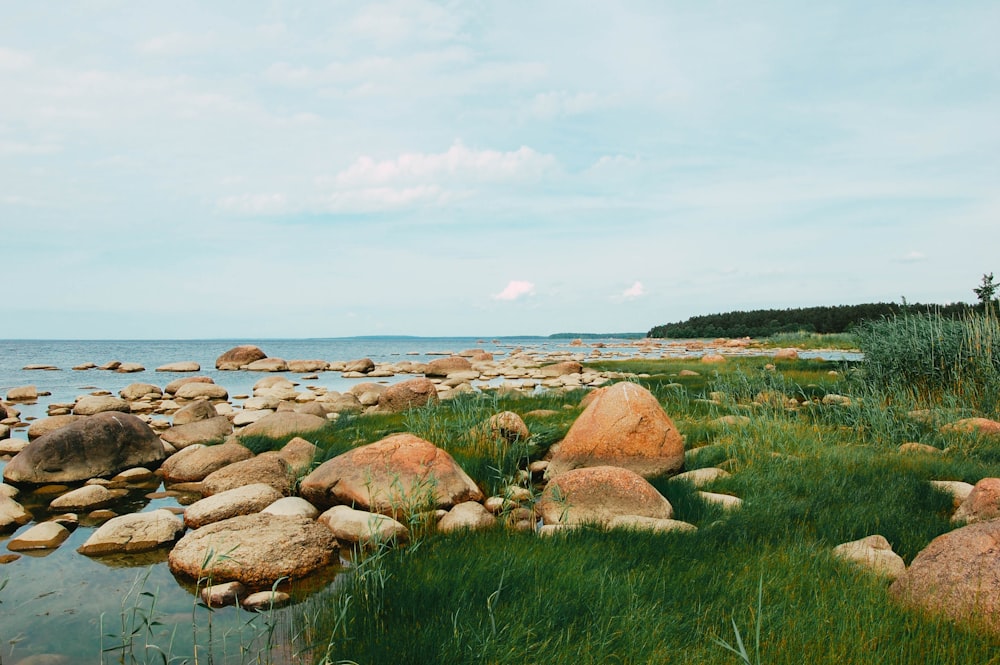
(557, 103)
(635, 291)
(515, 289)
(255, 204)
(913, 257)
(11, 59)
(458, 162)
(175, 43)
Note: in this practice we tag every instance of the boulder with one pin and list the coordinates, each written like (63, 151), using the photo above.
(200, 431)
(175, 385)
(561, 369)
(292, 506)
(267, 365)
(468, 515)
(194, 412)
(958, 490)
(299, 454)
(43, 426)
(267, 468)
(135, 532)
(786, 354)
(599, 494)
(361, 366)
(129, 368)
(624, 426)
(359, 526)
(238, 357)
(5, 432)
(982, 426)
(12, 514)
(93, 404)
(223, 595)
(87, 498)
(307, 366)
(42, 536)
(137, 391)
(259, 549)
(195, 463)
(508, 426)
(284, 424)
(398, 475)
(183, 366)
(445, 366)
(199, 390)
(983, 503)
(100, 445)
(242, 500)
(957, 575)
(22, 394)
(407, 395)
(874, 553)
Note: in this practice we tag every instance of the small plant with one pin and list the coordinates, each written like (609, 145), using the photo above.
(740, 648)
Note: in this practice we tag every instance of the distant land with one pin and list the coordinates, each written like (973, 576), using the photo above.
(578, 335)
(823, 319)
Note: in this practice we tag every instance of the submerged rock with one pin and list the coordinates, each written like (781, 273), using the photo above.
(137, 532)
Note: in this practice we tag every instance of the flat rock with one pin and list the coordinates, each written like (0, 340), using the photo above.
(193, 464)
(657, 525)
(397, 475)
(958, 490)
(12, 514)
(183, 366)
(267, 365)
(135, 532)
(42, 536)
(239, 501)
(598, 495)
(198, 390)
(87, 498)
(176, 384)
(284, 424)
(259, 550)
(22, 394)
(702, 477)
(262, 601)
(206, 432)
(90, 405)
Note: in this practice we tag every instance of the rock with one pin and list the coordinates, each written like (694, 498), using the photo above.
(138, 391)
(958, 490)
(135, 532)
(205, 432)
(832, 399)
(93, 404)
(467, 515)
(263, 601)
(360, 366)
(786, 354)
(307, 366)
(22, 394)
(223, 595)
(361, 527)
(561, 369)
(85, 366)
(983, 426)
(137, 475)
(12, 514)
(725, 501)
(129, 368)
(97, 446)
(982, 503)
(42, 536)
(733, 421)
(957, 575)
(292, 506)
(230, 503)
(43, 426)
(87, 498)
(267, 468)
(194, 412)
(238, 357)
(508, 426)
(713, 359)
(624, 426)
(407, 394)
(267, 365)
(657, 525)
(183, 366)
(260, 549)
(5, 432)
(199, 390)
(346, 403)
(193, 464)
(11, 446)
(284, 424)
(688, 372)
(598, 494)
(175, 385)
(702, 477)
(299, 454)
(919, 448)
(269, 383)
(8, 491)
(445, 366)
(874, 553)
(400, 474)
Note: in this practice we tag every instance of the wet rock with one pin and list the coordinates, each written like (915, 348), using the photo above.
(262, 601)
(42, 536)
(136, 532)
(87, 498)
(183, 366)
(97, 446)
(223, 595)
(12, 514)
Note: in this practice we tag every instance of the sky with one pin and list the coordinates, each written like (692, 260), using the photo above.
(187, 170)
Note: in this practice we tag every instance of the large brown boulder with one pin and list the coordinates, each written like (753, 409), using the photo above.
(623, 426)
(195, 463)
(200, 431)
(238, 357)
(445, 366)
(398, 475)
(983, 503)
(266, 469)
(598, 495)
(957, 575)
(100, 445)
(259, 549)
(407, 395)
(284, 424)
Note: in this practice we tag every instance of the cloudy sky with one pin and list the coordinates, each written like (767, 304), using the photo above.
(319, 169)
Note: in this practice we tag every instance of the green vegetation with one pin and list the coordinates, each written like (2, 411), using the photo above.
(767, 322)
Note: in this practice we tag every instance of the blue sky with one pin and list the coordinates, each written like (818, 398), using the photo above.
(280, 169)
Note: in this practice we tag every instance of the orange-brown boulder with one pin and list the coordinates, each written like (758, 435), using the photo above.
(598, 495)
(983, 503)
(445, 366)
(238, 357)
(407, 395)
(623, 426)
(973, 426)
(957, 575)
(398, 475)
(561, 369)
